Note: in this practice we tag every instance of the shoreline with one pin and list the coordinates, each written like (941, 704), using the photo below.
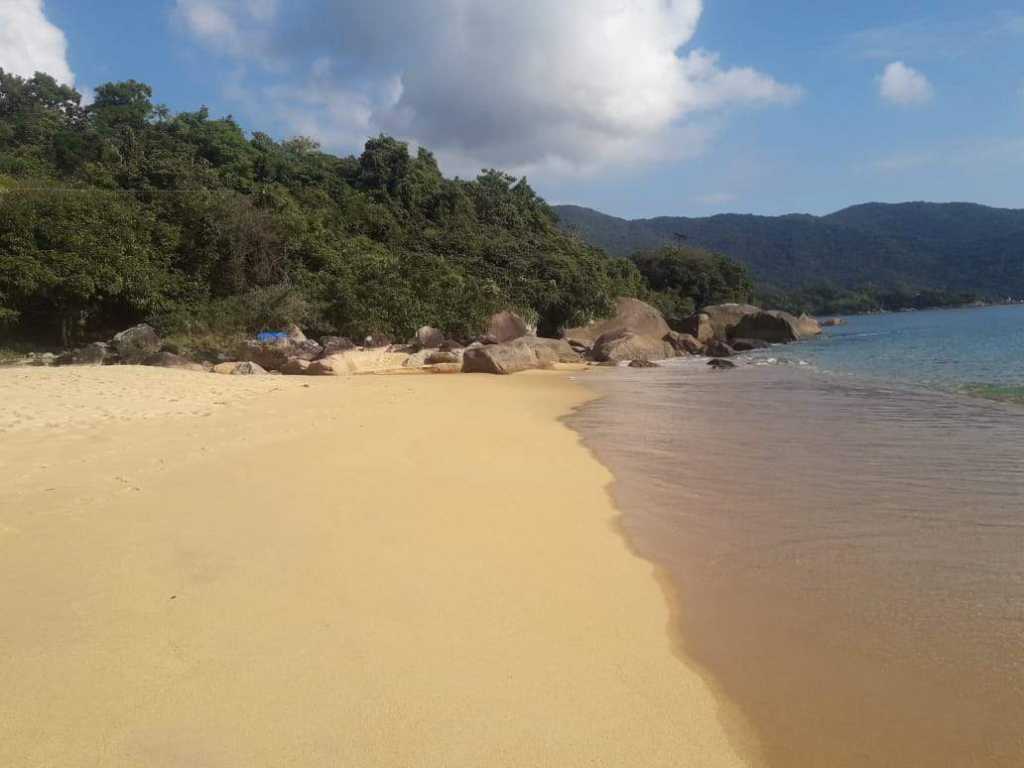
(382, 570)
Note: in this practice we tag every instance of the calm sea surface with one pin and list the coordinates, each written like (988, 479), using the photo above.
(843, 525)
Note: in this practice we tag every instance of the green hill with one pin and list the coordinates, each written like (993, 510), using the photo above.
(955, 247)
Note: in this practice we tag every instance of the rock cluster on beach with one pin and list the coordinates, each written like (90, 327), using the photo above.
(637, 335)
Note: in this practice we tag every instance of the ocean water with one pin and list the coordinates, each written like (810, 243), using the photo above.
(972, 351)
(842, 524)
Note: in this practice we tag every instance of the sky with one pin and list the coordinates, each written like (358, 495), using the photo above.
(635, 107)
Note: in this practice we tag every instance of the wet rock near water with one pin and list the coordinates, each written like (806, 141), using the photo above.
(643, 364)
(721, 365)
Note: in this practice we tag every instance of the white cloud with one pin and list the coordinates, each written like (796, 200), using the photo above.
(30, 43)
(904, 86)
(522, 84)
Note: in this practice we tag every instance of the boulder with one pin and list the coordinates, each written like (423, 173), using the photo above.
(295, 333)
(748, 345)
(322, 367)
(440, 357)
(642, 364)
(274, 355)
(136, 344)
(506, 326)
(418, 359)
(499, 359)
(774, 327)
(631, 315)
(365, 361)
(684, 343)
(550, 350)
(429, 338)
(486, 339)
(97, 353)
(170, 360)
(724, 318)
(717, 348)
(624, 345)
(333, 345)
(240, 369)
(296, 366)
(699, 326)
(579, 347)
(721, 365)
(808, 327)
(377, 341)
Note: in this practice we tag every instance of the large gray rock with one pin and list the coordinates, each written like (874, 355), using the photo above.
(623, 345)
(550, 350)
(136, 344)
(499, 359)
(274, 355)
(97, 353)
(631, 315)
(699, 326)
(724, 318)
(773, 327)
(684, 343)
(428, 337)
(504, 327)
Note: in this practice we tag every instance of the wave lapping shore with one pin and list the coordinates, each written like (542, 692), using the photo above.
(846, 556)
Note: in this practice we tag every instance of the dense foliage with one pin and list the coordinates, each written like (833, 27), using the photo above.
(826, 299)
(119, 211)
(682, 280)
(866, 257)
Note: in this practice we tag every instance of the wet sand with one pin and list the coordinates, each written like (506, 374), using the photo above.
(847, 560)
(373, 571)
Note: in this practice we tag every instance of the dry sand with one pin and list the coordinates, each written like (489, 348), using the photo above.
(203, 571)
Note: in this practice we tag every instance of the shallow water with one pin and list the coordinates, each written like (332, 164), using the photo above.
(847, 552)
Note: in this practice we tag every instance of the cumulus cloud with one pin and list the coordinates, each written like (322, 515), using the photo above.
(567, 84)
(904, 86)
(30, 43)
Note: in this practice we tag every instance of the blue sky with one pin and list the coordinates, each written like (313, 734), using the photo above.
(634, 107)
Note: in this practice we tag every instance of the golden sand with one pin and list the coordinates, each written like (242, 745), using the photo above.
(364, 571)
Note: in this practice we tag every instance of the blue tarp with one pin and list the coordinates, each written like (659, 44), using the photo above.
(272, 336)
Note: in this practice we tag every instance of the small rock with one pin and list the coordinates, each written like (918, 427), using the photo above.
(240, 369)
(716, 348)
(642, 364)
(748, 345)
(296, 366)
(721, 365)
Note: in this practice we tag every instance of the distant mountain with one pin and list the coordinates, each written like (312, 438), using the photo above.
(947, 246)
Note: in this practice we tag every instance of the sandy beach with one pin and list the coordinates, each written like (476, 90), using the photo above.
(213, 571)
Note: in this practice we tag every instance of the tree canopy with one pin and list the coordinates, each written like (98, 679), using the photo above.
(121, 211)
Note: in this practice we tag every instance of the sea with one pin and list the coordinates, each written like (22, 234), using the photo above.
(840, 524)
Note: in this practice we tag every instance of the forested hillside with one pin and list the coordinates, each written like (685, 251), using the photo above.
(953, 249)
(120, 211)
